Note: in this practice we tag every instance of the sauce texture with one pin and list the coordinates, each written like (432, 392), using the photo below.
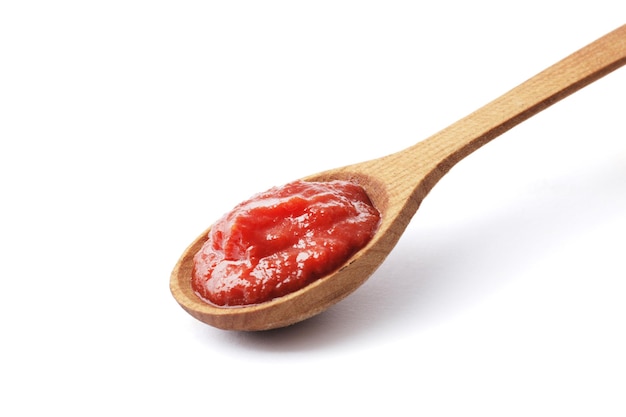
(282, 240)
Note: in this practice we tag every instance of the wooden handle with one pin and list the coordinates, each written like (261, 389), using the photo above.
(546, 88)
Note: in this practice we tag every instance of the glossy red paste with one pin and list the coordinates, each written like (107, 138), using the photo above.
(281, 240)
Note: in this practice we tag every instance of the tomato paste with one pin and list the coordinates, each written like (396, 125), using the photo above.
(281, 240)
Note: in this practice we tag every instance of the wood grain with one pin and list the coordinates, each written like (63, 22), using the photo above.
(398, 183)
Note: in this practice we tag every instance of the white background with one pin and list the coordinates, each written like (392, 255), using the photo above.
(127, 127)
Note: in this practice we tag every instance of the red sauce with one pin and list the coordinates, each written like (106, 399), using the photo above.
(282, 240)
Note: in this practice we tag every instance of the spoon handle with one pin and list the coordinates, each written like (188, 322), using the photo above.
(460, 139)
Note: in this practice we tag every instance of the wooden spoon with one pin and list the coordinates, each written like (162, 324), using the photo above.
(398, 183)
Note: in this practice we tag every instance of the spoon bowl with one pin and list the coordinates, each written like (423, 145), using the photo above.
(397, 184)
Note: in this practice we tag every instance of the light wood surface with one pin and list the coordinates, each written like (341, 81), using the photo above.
(398, 183)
